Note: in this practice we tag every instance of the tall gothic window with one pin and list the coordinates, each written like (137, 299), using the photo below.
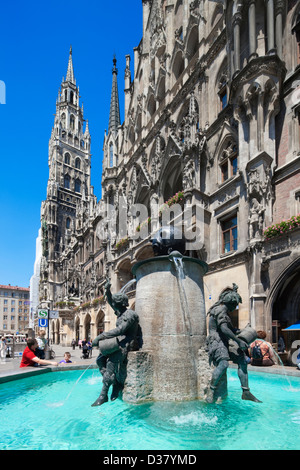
(72, 122)
(63, 120)
(77, 186)
(296, 30)
(67, 159)
(223, 93)
(111, 155)
(67, 181)
(77, 163)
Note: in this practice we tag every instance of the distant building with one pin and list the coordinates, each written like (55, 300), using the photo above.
(35, 284)
(14, 309)
(212, 110)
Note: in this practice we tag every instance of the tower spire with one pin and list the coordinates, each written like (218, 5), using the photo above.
(114, 113)
(70, 72)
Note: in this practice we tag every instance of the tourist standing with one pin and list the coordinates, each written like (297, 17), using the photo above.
(41, 341)
(3, 349)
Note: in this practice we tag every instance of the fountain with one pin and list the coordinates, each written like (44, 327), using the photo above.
(174, 364)
(169, 377)
(171, 309)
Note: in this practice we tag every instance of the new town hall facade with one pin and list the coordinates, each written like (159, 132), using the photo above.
(212, 103)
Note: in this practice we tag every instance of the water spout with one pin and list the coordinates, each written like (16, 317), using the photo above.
(68, 396)
(176, 258)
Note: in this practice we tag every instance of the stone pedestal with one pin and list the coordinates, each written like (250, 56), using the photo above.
(139, 381)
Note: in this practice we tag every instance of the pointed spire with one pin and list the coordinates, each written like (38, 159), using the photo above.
(70, 72)
(114, 114)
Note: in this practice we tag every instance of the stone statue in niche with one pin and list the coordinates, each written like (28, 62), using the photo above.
(115, 344)
(224, 343)
(256, 219)
(189, 175)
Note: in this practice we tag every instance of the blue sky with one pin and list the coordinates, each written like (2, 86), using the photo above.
(35, 41)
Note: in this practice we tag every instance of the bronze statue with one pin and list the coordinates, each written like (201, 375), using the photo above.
(115, 344)
(224, 343)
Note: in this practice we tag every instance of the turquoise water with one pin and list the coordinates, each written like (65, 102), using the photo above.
(53, 411)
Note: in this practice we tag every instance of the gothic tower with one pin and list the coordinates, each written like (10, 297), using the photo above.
(69, 186)
(110, 187)
(110, 139)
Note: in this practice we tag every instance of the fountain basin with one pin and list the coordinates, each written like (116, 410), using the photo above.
(172, 316)
(28, 406)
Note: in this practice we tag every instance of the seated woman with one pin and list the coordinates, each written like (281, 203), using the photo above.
(29, 358)
(267, 356)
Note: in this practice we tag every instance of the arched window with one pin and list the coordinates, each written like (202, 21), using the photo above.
(178, 66)
(296, 31)
(67, 181)
(161, 90)
(68, 222)
(72, 122)
(77, 163)
(77, 186)
(71, 97)
(151, 105)
(67, 158)
(131, 135)
(193, 42)
(63, 120)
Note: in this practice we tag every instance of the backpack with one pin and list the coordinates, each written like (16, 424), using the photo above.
(256, 352)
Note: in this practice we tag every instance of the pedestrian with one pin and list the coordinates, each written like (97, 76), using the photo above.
(90, 348)
(79, 343)
(29, 357)
(281, 344)
(261, 352)
(73, 344)
(41, 341)
(3, 349)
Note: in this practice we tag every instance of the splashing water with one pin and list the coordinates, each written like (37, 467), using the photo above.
(183, 299)
(69, 394)
(291, 388)
(128, 286)
(184, 304)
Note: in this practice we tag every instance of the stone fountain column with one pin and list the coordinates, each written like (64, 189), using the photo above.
(170, 304)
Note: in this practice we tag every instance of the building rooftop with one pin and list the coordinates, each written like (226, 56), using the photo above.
(14, 287)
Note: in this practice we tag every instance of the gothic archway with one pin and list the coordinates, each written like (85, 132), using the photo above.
(100, 322)
(87, 327)
(283, 304)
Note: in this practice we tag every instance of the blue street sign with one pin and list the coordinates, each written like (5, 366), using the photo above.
(43, 322)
